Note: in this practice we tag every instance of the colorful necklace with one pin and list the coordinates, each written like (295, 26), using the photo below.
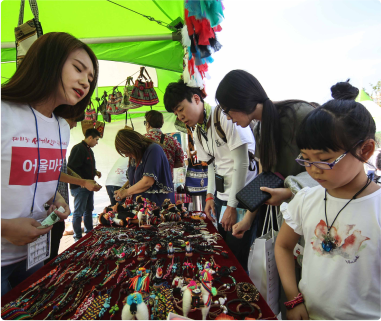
(329, 243)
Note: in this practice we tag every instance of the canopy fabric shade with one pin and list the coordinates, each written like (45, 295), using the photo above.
(87, 19)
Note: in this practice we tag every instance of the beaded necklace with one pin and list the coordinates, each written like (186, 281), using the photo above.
(84, 305)
(56, 269)
(110, 275)
(99, 305)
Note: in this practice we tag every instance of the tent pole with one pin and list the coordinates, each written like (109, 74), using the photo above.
(175, 36)
(143, 112)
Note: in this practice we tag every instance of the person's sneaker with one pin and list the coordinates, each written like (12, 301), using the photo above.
(76, 240)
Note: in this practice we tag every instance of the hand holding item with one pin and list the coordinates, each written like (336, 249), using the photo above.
(22, 231)
(92, 185)
(229, 218)
(99, 174)
(121, 194)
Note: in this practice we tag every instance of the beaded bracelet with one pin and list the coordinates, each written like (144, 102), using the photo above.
(251, 292)
(253, 305)
(240, 313)
(294, 302)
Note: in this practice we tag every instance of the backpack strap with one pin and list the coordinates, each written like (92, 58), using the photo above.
(162, 138)
(217, 123)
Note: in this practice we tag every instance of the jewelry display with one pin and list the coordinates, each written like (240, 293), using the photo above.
(134, 261)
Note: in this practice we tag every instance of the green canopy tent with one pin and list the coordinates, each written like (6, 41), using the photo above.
(143, 34)
(373, 108)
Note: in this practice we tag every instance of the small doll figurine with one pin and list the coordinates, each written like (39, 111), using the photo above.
(155, 252)
(140, 216)
(135, 308)
(157, 280)
(173, 214)
(170, 250)
(166, 203)
(141, 253)
(156, 218)
(181, 208)
(111, 218)
(196, 298)
(188, 249)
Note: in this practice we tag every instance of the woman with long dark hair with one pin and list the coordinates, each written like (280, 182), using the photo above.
(149, 173)
(55, 80)
(243, 99)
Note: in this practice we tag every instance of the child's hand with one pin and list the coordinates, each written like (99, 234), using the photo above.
(298, 313)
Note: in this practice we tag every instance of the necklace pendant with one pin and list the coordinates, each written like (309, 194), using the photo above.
(328, 244)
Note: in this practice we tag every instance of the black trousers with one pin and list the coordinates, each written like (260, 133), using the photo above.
(239, 247)
(57, 232)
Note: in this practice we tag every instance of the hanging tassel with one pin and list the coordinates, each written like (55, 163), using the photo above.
(185, 40)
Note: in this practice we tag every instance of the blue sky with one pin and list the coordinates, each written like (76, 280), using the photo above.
(300, 48)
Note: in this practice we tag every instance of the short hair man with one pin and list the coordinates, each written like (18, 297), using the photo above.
(82, 162)
(67, 176)
(172, 148)
(230, 159)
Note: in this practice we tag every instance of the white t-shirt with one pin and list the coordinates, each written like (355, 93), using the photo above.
(345, 282)
(236, 136)
(117, 175)
(19, 163)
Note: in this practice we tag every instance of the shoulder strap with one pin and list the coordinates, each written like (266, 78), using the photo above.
(162, 138)
(198, 130)
(217, 123)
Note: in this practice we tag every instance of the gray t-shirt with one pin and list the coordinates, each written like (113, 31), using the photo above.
(286, 164)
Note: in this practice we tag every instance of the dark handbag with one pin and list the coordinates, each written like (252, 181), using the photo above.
(252, 197)
(28, 32)
(102, 108)
(143, 92)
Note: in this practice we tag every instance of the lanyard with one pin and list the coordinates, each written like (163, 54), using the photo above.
(38, 152)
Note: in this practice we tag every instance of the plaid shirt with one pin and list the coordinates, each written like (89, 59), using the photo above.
(62, 187)
(172, 147)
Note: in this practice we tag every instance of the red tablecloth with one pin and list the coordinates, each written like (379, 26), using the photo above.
(239, 275)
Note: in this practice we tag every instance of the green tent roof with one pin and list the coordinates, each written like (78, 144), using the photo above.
(88, 19)
(363, 96)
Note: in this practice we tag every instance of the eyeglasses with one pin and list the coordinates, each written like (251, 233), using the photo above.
(145, 123)
(321, 165)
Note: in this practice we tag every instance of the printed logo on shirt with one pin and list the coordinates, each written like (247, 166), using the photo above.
(219, 143)
(24, 165)
(348, 241)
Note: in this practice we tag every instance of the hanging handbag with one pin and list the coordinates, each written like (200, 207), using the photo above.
(90, 113)
(98, 125)
(143, 92)
(28, 32)
(102, 108)
(126, 103)
(86, 124)
(113, 103)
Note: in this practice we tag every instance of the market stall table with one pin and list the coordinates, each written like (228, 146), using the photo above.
(239, 275)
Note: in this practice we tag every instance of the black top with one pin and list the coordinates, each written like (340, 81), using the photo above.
(82, 161)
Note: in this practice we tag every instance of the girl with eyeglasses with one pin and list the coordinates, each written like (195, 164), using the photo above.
(340, 219)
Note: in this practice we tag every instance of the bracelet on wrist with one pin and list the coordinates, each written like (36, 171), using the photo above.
(294, 302)
(209, 198)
